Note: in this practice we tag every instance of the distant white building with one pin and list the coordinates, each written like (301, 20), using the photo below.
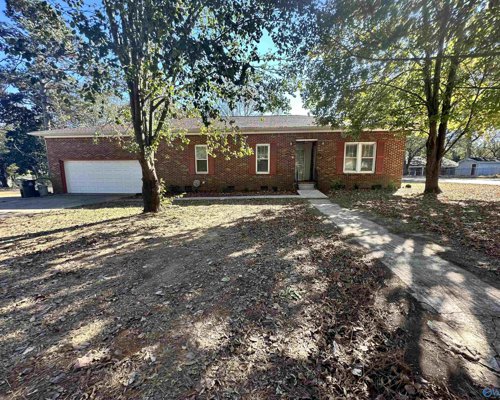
(417, 166)
(478, 166)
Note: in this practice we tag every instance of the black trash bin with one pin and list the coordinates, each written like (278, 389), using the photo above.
(28, 188)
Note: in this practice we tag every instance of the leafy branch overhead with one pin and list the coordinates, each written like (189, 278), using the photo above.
(383, 63)
(418, 66)
(40, 87)
(182, 58)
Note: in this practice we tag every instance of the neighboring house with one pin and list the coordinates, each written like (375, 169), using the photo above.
(417, 166)
(287, 150)
(478, 166)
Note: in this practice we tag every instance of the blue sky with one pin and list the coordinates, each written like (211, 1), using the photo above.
(2, 9)
(266, 45)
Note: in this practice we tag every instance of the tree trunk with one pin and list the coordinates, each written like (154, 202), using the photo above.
(437, 134)
(151, 195)
(406, 169)
(433, 165)
(45, 112)
(3, 175)
(468, 148)
(432, 177)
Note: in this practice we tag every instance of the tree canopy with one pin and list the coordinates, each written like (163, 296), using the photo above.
(38, 51)
(412, 65)
(27, 152)
(182, 57)
(40, 87)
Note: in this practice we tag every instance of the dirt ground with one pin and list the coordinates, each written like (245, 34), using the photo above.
(464, 219)
(247, 299)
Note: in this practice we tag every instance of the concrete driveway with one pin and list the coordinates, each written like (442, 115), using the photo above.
(468, 181)
(17, 205)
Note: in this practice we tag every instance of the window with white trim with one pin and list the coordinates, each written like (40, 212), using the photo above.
(359, 157)
(262, 158)
(201, 158)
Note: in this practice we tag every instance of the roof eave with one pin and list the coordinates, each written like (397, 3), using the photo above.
(301, 129)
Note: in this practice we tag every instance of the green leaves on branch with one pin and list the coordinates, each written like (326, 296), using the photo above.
(181, 57)
(405, 64)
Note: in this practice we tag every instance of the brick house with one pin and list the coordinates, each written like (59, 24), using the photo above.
(287, 150)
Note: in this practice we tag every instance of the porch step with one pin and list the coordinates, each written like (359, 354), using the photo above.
(311, 194)
(306, 185)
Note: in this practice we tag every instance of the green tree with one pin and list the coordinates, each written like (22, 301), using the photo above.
(39, 51)
(487, 146)
(414, 65)
(35, 80)
(249, 108)
(178, 57)
(490, 148)
(39, 84)
(415, 145)
(19, 117)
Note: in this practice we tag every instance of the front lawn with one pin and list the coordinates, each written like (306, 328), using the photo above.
(464, 216)
(8, 192)
(235, 300)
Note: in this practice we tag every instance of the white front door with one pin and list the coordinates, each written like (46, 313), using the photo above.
(122, 176)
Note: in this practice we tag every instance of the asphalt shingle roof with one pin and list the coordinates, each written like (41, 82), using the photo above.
(258, 122)
(273, 123)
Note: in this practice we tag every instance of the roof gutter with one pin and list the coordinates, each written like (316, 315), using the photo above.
(58, 134)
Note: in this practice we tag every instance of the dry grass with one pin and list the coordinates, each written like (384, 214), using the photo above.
(456, 192)
(9, 193)
(466, 216)
(234, 300)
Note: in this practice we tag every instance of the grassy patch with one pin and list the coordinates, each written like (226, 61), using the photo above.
(8, 192)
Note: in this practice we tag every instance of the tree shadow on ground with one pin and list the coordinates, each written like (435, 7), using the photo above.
(8, 239)
(467, 228)
(468, 308)
(272, 304)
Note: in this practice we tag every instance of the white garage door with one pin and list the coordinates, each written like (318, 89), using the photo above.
(103, 176)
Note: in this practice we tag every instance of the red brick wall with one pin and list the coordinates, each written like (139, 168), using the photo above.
(173, 163)
(174, 168)
(81, 149)
(392, 163)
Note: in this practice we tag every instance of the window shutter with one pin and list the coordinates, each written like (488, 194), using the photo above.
(251, 161)
(273, 162)
(339, 165)
(191, 160)
(379, 163)
(211, 165)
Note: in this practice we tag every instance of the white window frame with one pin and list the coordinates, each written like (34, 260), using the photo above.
(359, 157)
(196, 159)
(268, 159)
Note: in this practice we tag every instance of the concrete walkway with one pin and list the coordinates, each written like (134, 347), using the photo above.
(302, 194)
(311, 194)
(468, 308)
(265, 197)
